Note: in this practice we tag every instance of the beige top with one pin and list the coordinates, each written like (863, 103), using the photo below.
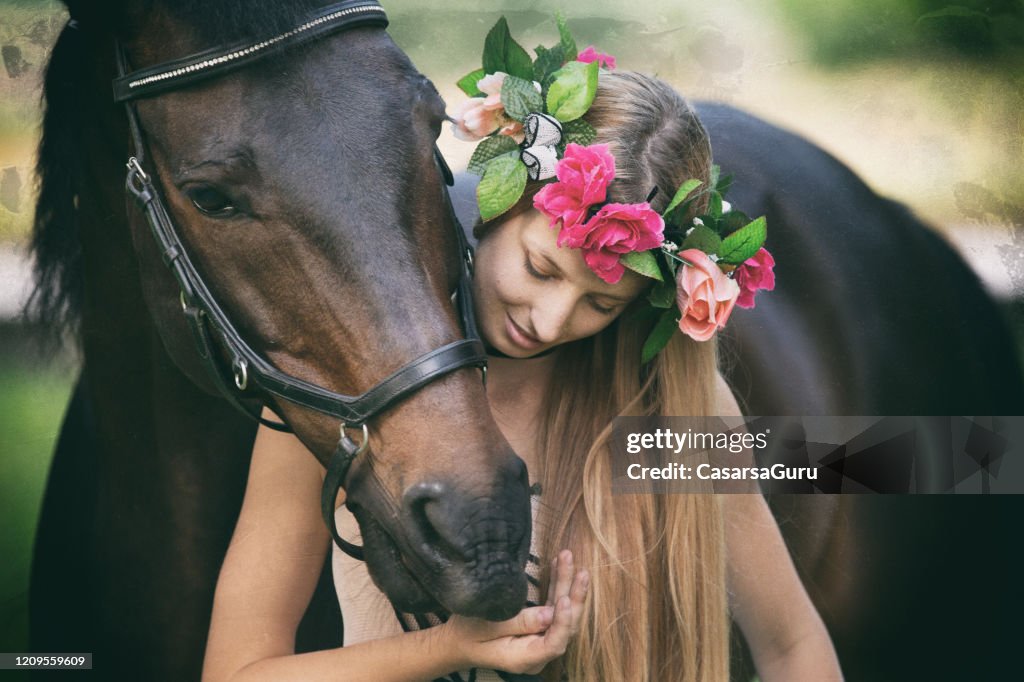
(367, 614)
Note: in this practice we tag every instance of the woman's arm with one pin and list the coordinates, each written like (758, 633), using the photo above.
(787, 637)
(270, 572)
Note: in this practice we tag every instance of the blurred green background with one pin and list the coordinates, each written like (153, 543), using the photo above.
(925, 100)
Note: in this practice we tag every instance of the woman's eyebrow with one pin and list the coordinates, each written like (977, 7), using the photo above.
(550, 261)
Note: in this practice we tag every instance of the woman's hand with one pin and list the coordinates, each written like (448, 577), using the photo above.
(525, 643)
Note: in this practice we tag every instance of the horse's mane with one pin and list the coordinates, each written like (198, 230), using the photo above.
(55, 303)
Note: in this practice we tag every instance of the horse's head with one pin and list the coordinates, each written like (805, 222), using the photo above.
(307, 195)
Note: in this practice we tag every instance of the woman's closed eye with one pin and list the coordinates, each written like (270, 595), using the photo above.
(533, 271)
(604, 310)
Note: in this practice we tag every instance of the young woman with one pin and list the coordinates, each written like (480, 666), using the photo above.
(642, 586)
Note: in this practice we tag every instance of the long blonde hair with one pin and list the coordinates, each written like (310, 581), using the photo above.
(657, 607)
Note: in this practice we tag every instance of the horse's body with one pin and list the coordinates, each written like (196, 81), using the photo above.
(874, 314)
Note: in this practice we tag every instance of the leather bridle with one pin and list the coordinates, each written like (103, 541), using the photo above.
(248, 375)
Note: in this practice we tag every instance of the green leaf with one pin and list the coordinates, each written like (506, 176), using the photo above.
(662, 295)
(566, 41)
(578, 131)
(502, 53)
(703, 238)
(468, 83)
(520, 98)
(501, 187)
(488, 149)
(715, 206)
(744, 243)
(642, 315)
(724, 184)
(548, 61)
(681, 194)
(660, 335)
(573, 90)
(644, 263)
(954, 11)
(732, 221)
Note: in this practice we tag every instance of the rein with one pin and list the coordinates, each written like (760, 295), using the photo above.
(212, 328)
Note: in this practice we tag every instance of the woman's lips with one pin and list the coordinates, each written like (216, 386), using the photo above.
(519, 337)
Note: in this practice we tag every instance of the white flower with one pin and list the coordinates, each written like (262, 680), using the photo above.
(696, 221)
(541, 161)
(691, 230)
(536, 86)
(726, 207)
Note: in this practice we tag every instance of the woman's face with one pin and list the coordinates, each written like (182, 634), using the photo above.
(532, 295)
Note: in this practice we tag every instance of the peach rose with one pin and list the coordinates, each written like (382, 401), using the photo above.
(704, 294)
(478, 117)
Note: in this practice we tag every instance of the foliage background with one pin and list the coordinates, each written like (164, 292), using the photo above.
(924, 99)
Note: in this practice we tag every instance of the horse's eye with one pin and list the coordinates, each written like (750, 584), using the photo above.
(211, 202)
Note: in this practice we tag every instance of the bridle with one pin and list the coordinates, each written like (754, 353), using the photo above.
(248, 372)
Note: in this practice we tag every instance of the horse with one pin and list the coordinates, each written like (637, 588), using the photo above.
(283, 155)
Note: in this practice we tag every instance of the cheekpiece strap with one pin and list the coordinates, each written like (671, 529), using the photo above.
(174, 74)
(337, 469)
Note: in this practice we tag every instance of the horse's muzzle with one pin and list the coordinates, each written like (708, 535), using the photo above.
(449, 544)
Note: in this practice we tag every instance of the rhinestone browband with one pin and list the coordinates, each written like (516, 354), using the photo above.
(173, 74)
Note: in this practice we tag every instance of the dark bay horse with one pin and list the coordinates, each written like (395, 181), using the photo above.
(305, 190)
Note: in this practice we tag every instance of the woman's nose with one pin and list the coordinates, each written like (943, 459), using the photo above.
(551, 317)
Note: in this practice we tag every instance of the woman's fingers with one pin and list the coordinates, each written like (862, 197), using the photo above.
(535, 636)
(561, 577)
(577, 595)
(529, 621)
(568, 612)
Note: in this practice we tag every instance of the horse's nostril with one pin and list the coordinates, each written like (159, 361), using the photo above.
(427, 505)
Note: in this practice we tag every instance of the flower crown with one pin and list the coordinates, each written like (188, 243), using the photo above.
(527, 116)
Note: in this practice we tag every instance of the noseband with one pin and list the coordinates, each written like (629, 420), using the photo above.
(248, 372)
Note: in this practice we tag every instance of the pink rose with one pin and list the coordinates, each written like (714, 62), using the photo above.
(753, 274)
(592, 55)
(704, 294)
(584, 174)
(614, 230)
(478, 117)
